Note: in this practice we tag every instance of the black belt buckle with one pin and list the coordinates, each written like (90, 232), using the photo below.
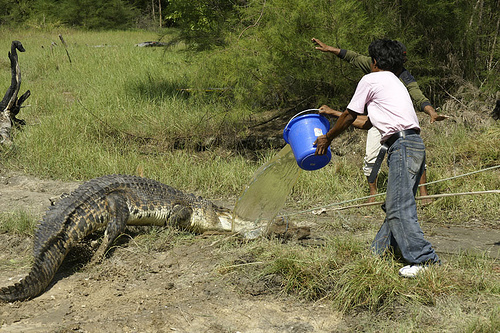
(389, 142)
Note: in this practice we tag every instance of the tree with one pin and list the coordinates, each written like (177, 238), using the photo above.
(266, 57)
(10, 104)
(203, 23)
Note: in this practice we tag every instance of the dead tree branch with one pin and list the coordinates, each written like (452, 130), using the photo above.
(65, 47)
(10, 104)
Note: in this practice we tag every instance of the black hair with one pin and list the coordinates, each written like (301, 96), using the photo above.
(403, 47)
(388, 53)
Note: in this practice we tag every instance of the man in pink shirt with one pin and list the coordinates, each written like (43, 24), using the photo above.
(391, 111)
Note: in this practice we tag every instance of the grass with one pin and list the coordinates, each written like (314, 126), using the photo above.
(18, 222)
(459, 296)
(345, 272)
(118, 108)
(112, 109)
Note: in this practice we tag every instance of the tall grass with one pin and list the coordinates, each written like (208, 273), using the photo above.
(114, 108)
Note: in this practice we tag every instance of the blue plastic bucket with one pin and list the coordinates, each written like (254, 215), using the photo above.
(300, 133)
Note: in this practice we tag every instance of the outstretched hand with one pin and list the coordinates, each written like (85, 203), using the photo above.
(433, 114)
(438, 117)
(321, 46)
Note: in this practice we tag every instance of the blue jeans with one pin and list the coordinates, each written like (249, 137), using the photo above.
(401, 230)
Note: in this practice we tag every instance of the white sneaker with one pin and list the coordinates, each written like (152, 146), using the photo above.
(412, 271)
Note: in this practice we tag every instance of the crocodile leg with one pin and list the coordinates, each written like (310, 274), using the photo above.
(119, 214)
(180, 217)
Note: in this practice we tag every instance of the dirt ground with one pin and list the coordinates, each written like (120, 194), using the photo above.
(175, 290)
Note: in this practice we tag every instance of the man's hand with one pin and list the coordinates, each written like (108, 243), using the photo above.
(325, 48)
(322, 143)
(438, 117)
(326, 110)
(433, 114)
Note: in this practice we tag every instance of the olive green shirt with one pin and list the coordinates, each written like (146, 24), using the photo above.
(363, 62)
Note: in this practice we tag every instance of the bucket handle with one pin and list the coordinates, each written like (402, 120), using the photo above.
(301, 112)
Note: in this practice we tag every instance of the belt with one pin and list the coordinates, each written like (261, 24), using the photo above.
(387, 144)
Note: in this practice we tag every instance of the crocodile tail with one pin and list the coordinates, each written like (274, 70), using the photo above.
(40, 276)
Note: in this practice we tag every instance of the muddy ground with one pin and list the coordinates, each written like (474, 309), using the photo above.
(176, 289)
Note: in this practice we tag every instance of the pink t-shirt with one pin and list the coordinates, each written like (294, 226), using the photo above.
(388, 103)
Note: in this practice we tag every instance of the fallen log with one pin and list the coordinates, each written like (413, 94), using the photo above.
(10, 104)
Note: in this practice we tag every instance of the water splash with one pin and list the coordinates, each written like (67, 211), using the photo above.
(265, 194)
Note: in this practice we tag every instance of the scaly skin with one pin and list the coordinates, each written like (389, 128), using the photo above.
(111, 202)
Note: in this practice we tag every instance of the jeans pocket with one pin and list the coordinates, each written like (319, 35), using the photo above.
(415, 159)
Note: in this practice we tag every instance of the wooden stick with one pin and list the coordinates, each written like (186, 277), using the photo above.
(65, 47)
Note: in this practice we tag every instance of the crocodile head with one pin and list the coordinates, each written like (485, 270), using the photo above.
(207, 216)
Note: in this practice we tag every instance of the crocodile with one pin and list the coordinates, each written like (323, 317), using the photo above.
(111, 203)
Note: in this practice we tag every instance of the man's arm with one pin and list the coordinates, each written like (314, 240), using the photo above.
(323, 141)
(417, 96)
(357, 60)
(361, 122)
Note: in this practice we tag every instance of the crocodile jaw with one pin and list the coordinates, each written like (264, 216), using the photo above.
(229, 222)
(218, 219)
(226, 221)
